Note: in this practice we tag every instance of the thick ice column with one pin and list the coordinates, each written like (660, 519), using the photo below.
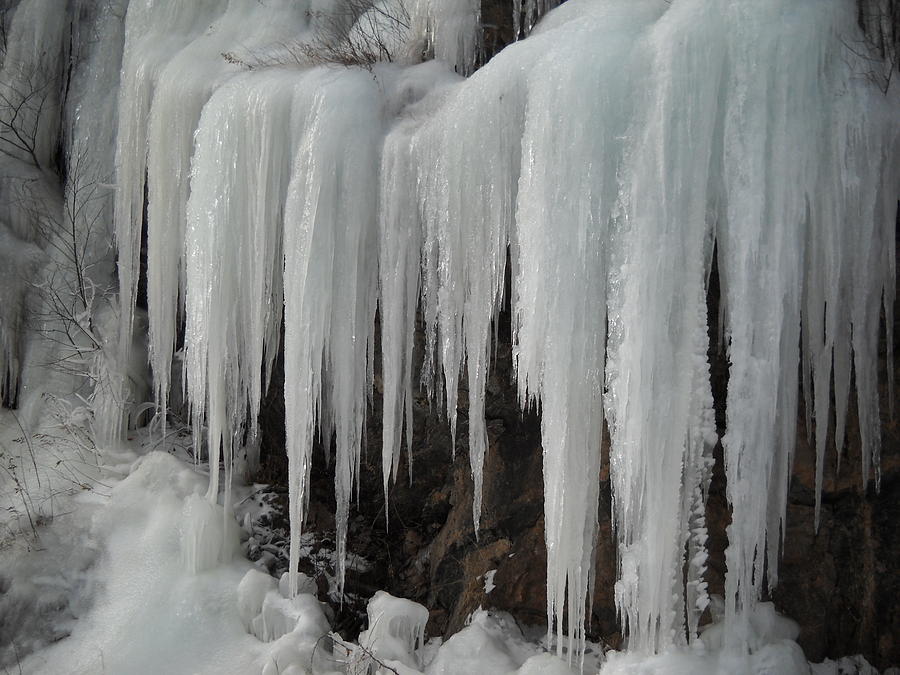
(659, 400)
(771, 122)
(155, 30)
(184, 86)
(240, 173)
(468, 158)
(567, 193)
(91, 111)
(330, 277)
(31, 63)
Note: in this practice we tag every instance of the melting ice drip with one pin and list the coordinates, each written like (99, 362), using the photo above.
(604, 157)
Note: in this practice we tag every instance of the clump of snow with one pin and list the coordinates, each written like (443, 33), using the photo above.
(545, 664)
(300, 615)
(396, 630)
(493, 644)
(848, 665)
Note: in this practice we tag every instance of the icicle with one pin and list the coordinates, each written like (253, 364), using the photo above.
(329, 274)
(185, 85)
(563, 213)
(154, 31)
(660, 405)
(452, 28)
(603, 155)
(400, 251)
(239, 180)
(526, 14)
(467, 206)
(771, 119)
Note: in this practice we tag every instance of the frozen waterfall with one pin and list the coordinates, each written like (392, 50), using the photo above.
(598, 165)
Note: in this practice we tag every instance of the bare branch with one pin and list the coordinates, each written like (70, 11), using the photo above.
(356, 33)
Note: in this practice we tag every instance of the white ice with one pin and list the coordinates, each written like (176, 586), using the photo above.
(604, 159)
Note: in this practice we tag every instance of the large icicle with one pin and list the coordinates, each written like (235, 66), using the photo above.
(850, 264)
(233, 250)
(603, 155)
(330, 279)
(400, 242)
(660, 405)
(451, 28)
(185, 85)
(400, 253)
(567, 194)
(784, 187)
(468, 159)
(155, 30)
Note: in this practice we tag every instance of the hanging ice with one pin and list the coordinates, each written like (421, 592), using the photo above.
(567, 195)
(400, 258)
(185, 84)
(785, 187)
(330, 282)
(606, 155)
(467, 208)
(154, 31)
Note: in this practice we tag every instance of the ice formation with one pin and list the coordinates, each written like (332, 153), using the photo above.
(598, 165)
(186, 83)
(396, 629)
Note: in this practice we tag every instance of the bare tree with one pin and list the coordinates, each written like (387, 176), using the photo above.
(879, 48)
(355, 33)
(68, 290)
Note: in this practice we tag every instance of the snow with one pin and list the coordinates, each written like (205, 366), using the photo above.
(594, 166)
(489, 581)
(396, 630)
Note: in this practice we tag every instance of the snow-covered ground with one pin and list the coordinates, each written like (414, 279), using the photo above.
(134, 571)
